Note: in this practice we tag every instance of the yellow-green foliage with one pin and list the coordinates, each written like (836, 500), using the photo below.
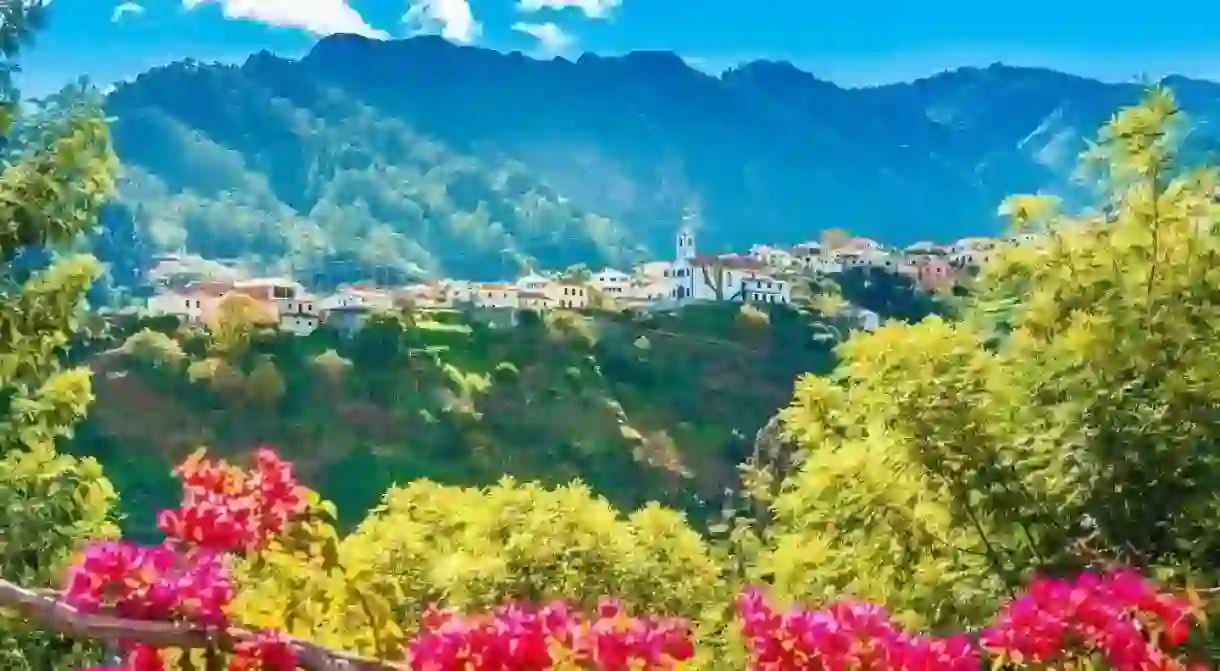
(1069, 416)
(57, 170)
(154, 348)
(477, 547)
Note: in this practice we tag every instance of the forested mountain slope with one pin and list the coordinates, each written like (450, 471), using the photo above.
(422, 157)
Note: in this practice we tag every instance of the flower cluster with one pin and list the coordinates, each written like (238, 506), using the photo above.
(267, 651)
(150, 583)
(186, 579)
(531, 638)
(847, 635)
(1120, 615)
(227, 509)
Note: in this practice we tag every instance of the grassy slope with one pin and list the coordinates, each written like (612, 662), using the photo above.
(645, 408)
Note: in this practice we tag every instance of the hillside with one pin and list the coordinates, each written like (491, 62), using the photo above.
(641, 408)
(421, 157)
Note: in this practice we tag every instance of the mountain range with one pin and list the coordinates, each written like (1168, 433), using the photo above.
(420, 157)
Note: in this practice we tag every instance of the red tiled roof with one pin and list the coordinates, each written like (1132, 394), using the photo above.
(206, 288)
(732, 262)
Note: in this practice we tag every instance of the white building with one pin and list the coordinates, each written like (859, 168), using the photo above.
(772, 257)
(613, 283)
(725, 278)
(301, 318)
(971, 253)
(533, 283)
(456, 292)
(880, 259)
(812, 257)
(497, 295)
(185, 305)
(652, 270)
(765, 289)
(849, 258)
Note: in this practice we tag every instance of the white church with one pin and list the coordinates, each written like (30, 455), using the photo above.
(730, 277)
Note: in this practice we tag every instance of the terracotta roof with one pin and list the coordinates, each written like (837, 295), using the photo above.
(531, 294)
(495, 286)
(206, 288)
(731, 262)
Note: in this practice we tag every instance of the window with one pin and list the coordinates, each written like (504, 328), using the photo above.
(282, 292)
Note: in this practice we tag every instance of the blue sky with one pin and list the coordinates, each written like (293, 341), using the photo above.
(851, 43)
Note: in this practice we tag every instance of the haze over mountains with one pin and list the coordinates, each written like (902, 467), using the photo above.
(422, 157)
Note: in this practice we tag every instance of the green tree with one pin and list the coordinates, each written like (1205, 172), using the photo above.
(1067, 420)
(332, 367)
(265, 384)
(154, 348)
(57, 170)
(233, 325)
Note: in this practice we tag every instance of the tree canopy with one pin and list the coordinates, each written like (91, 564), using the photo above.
(57, 171)
(1068, 419)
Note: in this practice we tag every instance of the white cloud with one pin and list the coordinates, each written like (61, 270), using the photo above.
(552, 40)
(594, 9)
(123, 10)
(321, 17)
(452, 19)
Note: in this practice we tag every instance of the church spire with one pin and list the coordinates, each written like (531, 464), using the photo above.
(686, 234)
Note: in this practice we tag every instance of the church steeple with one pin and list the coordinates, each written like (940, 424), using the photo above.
(686, 235)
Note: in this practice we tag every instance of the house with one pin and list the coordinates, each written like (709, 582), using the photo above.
(422, 295)
(568, 294)
(537, 301)
(812, 257)
(533, 282)
(496, 295)
(293, 309)
(346, 318)
(191, 304)
(300, 316)
(270, 288)
(457, 292)
(772, 257)
(971, 254)
(923, 248)
(652, 270)
(849, 258)
(933, 273)
(880, 259)
(612, 283)
(765, 289)
(348, 296)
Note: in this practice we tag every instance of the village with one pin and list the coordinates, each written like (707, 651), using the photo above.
(763, 275)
